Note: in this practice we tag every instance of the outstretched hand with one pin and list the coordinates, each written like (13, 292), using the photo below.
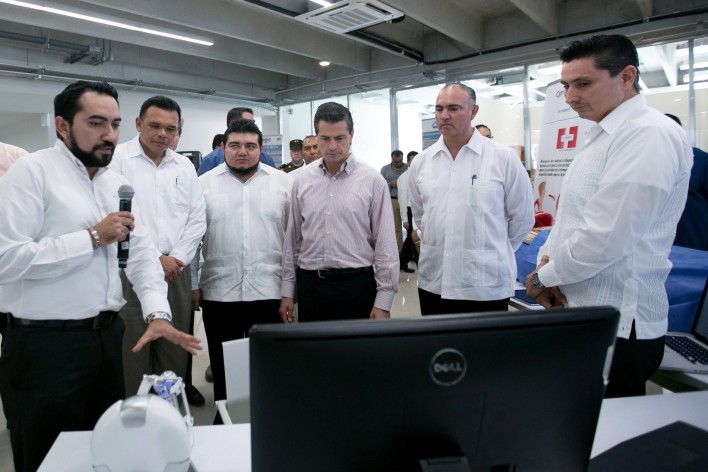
(163, 329)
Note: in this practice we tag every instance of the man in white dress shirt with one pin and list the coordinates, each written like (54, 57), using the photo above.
(623, 195)
(172, 205)
(471, 199)
(247, 213)
(61, 366)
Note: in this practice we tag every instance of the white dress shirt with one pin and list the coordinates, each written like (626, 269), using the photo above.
(473, 212)
(243, 244)
(620, 201)
(171, 198)
(48, 267)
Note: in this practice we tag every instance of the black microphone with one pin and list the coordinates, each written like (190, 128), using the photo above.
(125, 194)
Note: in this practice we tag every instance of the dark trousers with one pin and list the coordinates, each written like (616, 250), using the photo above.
(338, 297)
(633, 363)
(54, 380)
(434, 304)
(226, 321)
(408, 253)
(160, 355)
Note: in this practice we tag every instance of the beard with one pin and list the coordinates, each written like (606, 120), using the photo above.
(93, 158)
(246, 171)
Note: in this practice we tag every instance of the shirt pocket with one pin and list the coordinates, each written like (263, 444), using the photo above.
(271, 205)
(484, 195)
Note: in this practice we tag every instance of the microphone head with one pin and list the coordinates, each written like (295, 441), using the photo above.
(126, 192)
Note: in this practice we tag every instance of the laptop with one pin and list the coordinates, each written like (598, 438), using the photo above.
(686, 352)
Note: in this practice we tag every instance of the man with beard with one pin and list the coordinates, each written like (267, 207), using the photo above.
(61, 367)
(247, 210)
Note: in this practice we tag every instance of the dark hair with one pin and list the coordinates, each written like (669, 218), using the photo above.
(470, 91)
(218, 139)
(163, 103)
(243, 126)
(309, 136)
(411, 154)
(66, 104)
(236, 114)
(675, 118)
(396, 153)
(332, 112)
(610, 52)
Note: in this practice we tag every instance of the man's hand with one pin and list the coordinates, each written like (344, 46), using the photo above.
(416, 241)
(548, 297)
(531, 290)
(287, 306)
(394, 184)
(163, 329)
(406, 226)
(115, 227)
(551, 298)
(172, 267)
(379, 314)
(196, 299)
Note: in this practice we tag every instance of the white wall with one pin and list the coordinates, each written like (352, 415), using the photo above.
(24, 103)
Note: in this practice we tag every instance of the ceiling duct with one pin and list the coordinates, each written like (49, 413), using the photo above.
(350, 15)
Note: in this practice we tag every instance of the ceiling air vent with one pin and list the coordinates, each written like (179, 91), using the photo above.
(349, 15)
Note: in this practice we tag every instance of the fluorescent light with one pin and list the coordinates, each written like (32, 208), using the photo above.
(107, 22)
(322, 3)
(324, 63)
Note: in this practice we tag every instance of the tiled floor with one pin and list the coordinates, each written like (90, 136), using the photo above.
(405, 304)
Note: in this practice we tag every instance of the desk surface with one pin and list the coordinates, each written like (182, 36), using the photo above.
(222, 448)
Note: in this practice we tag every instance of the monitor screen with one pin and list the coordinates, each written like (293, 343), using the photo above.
(511, 391)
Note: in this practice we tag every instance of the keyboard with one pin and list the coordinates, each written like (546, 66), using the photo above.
(688, 348)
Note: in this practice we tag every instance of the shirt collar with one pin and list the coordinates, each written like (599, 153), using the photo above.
(611, 123)
(135, 150)
(475, 144)
(348, 166)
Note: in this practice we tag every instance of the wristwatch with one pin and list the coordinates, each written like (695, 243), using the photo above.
(536, 282)
(96, 237)
(158, 315)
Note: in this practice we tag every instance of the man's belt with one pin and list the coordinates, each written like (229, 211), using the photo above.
(100, 321)
(339, 273)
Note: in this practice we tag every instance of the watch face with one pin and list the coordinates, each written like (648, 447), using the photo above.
(536, 282)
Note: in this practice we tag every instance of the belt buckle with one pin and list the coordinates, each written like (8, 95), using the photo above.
(320, 272)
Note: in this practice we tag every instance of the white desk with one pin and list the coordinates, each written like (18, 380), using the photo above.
(228, 448)
(626, 418)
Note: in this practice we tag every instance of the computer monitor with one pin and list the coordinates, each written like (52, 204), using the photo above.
(494, 392)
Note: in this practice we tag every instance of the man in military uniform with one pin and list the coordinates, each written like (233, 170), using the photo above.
(296, 160)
